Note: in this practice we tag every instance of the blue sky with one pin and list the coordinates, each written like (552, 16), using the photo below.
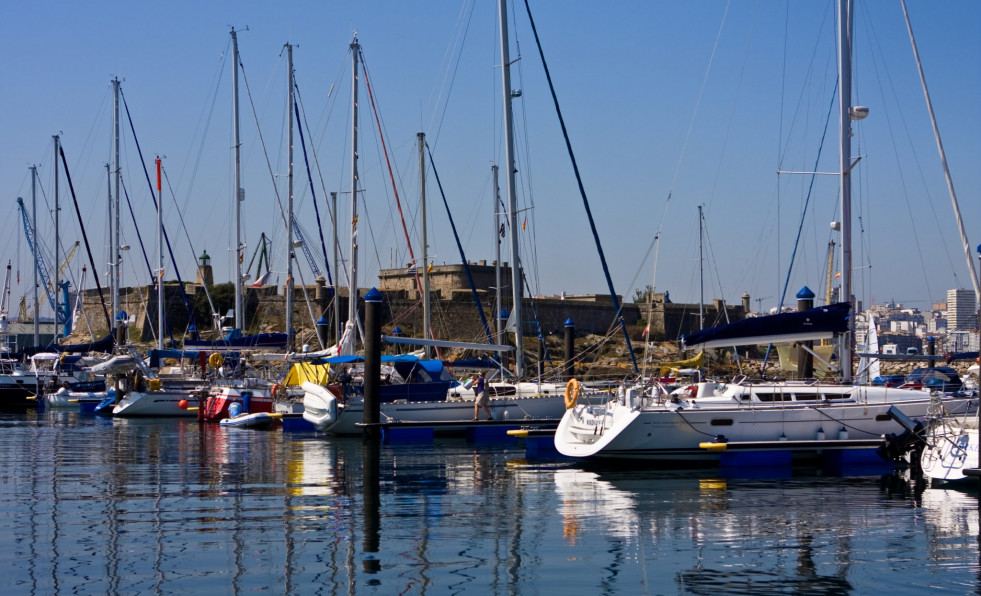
(700, 101)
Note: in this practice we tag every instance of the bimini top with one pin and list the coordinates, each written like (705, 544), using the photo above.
(808, 325)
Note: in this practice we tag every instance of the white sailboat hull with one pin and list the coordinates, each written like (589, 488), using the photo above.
(951, 449)
(346, 417)
(673, 432)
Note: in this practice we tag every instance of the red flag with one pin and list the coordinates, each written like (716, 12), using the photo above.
(524, 224)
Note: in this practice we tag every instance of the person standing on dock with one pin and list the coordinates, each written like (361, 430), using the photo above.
(480, 398)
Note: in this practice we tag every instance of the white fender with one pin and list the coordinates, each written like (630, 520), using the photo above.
(319, 405)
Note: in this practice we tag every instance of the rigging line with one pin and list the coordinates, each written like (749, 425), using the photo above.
(190, 243)
(313, 193)
(943, 157)
(456, 67)
(732, 112)
(300, 121)
(323, 186)
(207, 125)
(800, 227)
(170, 251)
(459, 246)
(902, 176)
(85, 237)
(582, 191)
(265, 153)
(807, 198)
(395, 190)
(139, 236)
(691, 123)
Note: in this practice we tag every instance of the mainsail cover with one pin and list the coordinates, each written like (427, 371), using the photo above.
(813, 324)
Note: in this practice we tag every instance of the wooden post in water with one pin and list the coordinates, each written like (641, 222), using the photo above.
(805, 361)
(570, 349)
(372, 362)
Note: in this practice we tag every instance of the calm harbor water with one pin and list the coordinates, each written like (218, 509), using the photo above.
(111, 506)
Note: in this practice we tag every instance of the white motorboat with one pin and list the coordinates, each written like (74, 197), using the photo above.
(167, 401)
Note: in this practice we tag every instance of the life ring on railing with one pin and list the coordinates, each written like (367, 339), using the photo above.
(279, 391)
(691, 390)
(215, 360)
(572, 389)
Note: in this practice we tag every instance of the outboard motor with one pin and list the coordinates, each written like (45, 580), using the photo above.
(911, 440)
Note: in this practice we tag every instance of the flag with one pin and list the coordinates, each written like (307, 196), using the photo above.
(501, 231)
(262, 280)
(837, 275)
(647, 330)
(524, 224)
(430, 268)
(411, 269)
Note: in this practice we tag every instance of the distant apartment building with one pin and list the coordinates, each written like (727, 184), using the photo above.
(961, 313)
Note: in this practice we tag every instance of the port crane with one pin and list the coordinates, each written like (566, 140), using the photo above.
(61, 314)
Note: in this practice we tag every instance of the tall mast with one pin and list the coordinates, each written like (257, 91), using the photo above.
(337, 303)
(37, 304)
(116, 254)
(701, 275)
(239, 191)
(497, 258)
(57, 256)
(289, 202)
(160, 262)
(426, 314)
(516, 288)
(352, 296)
(845, 134)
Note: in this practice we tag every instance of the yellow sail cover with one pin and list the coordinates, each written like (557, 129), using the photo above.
(307, 371)
(694, 362)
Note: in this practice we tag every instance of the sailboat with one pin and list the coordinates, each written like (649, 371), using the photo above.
(336, 409)
(644, 422)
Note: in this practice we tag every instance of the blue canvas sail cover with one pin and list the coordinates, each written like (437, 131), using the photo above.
(817, 323)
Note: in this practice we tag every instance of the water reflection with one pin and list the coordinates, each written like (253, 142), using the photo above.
(130, 506)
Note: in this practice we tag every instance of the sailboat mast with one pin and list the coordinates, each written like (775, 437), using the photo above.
(499, 336)
(57, 256)
(701, 275)
(352, 296)
(37, 305)
(426, 312)
(239, 191)
(116, 254)
(845, 133)
(337, 270)
(160, 261)
(289, 203)
(516, 288)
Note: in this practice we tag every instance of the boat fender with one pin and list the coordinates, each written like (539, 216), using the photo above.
(572, 389)
(234, 410)
(215, 360)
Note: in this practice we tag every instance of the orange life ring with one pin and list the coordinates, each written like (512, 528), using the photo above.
(691, 390)
(278, 391)
(572, 389)
(215, 360)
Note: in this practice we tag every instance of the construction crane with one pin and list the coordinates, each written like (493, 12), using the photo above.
(61, 315)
